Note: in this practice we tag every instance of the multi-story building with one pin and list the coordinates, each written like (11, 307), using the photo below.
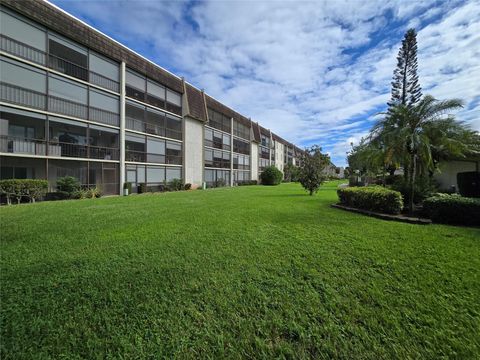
(76, 102)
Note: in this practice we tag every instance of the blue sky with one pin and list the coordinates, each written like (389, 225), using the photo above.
(313, 72)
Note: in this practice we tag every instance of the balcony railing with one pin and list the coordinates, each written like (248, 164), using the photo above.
(104, 116)
(67, 67)
(16, 145)
(149, 128)
(21, 96)
(30, 98)
(104, 81)
(67, 107)
(57, 63)
(22, 50)
(140, 156)
(105, 153)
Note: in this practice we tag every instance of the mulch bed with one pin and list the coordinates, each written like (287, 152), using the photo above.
(402, 218)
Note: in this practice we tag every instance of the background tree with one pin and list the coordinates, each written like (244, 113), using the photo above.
(406, 89)
(313, 163)
(290, 172)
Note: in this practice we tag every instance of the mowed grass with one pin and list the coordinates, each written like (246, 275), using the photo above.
(250, 272)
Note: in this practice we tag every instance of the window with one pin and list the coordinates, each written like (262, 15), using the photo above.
(217, 178)
(174, 102)
(22, 132)
(67, 57)
(241, 130)
(62, 168)
(67, 137)
(155, 123)
(103, 142)
(24, 76)
(241, 147)
(67, 89)
(155, 175)
(219, 121)
(101, 66)
(19, 29)
(135, 85)
(135, 148)
(174, 153)
(155, 94)
(217, 158)
(208, 137)
(173, 173)
(174, 128)
(104, 101)
(155, 150)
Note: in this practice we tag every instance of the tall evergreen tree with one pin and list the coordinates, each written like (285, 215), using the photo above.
(405, 87)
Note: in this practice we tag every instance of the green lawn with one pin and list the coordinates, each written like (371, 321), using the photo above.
(249, 272)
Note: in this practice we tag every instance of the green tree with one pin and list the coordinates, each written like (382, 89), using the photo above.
(406, 89)
(311, 174)
(409, 129)
(290, 172)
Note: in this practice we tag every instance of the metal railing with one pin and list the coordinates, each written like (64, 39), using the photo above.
(67, 107)
(55, 62)
(67, 67)
(17, 145)
(22, 50)
(102, 152)
(141, 156)
(104, 116)
(104, 81)
(17, 95)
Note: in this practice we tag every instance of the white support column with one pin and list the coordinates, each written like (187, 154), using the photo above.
(122, 126)
(231, 152)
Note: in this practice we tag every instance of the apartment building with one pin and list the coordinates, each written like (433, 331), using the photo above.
(75, 102)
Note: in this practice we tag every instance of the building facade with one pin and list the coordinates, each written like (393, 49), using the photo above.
(76, 102)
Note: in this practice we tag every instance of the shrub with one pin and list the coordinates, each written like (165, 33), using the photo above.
(469, 183)
(424, 187)
(271, 176)
(32, 189)
(176, 185)
(188, 186)
(68, 184)
(93, 193)
(453, 209)
(247, 182)
(373, 198)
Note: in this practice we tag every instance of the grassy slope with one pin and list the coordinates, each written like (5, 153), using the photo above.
(251, 271)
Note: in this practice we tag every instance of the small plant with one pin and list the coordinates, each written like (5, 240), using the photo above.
(68, 184)
(93, 193)
(271, 176)
(188, 186)
(220, 183)
(176, 185)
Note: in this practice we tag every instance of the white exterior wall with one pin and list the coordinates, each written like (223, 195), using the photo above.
(193, 148)
(449, 170)
(254, 160)
(279, 156)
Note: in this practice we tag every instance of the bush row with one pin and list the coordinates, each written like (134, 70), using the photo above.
(32, 189)
(374, 198)
(453, 209)
(247, 182)
(174, 185)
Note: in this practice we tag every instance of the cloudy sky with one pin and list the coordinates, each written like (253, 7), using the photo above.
(313, 72)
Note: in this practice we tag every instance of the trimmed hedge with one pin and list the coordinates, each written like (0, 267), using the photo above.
(271, 176)
(469, 183)
(32, 189)
(373, 198)
(453, 209)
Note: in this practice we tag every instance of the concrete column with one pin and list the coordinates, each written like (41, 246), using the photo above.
(231, 151)
(254, 160)
(122, 126)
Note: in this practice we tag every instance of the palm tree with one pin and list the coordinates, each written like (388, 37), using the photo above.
(415, 135)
